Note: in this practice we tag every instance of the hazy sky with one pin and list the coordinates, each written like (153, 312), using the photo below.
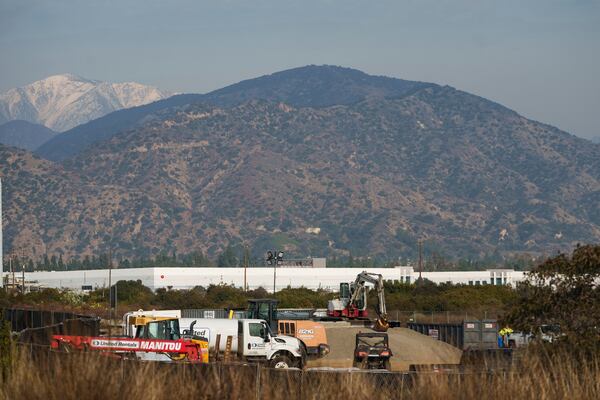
(539, 57)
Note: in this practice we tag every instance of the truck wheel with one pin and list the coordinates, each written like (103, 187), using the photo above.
(281, 361)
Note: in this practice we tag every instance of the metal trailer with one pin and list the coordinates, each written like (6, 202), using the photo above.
(468, 335)
(282, 313)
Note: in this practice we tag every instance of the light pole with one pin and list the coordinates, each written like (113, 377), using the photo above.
(23, 267)
(12, 271)
(109, 292)
(23, 279)
(274, 258)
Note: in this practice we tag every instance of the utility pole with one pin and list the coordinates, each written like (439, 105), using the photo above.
(245, 267)
(420, 260)
(12, 271)
(23, 278)
(109, 292)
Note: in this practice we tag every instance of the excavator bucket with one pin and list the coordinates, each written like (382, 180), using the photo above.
(381, 325)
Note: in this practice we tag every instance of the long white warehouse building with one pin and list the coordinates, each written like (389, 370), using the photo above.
(312, 278)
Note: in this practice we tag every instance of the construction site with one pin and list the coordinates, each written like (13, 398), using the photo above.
(344, 336)
(351, 348)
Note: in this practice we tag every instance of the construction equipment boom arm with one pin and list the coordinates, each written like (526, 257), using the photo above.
(187, 349)
(377, 281)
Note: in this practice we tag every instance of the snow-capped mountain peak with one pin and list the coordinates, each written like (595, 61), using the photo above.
(63, 101)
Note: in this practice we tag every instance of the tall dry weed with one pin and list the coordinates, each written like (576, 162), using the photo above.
(54, 376)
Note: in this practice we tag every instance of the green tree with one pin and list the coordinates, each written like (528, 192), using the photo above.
(227, 258)
(199, 259)
(350, 260)
(563, 291)
(133, 292)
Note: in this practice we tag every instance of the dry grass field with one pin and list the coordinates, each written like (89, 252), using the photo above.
(49, 376)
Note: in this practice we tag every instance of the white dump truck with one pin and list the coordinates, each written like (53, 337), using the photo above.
(252, 340)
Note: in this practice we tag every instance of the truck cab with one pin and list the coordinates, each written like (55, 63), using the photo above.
(311, 334)
(264, 309)
(132, 319)
(164, 328)
(252, 340)
(257, 342)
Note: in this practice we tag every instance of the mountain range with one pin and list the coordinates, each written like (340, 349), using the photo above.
(61, 102)
(310, 86)
(317, 160)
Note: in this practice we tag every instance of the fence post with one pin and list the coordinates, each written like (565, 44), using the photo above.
(301, 385)
(257, 381)
(351, 374)
(220, 373)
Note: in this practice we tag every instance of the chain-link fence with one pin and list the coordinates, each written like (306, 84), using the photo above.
(25, 318)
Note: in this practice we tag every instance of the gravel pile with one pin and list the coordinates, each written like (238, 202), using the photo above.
(408, 347)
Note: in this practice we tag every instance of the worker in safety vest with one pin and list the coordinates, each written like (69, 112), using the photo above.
(504, 334)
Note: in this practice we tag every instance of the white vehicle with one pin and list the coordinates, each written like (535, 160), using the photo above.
(519, 339)
(545, 333)
(252, 340)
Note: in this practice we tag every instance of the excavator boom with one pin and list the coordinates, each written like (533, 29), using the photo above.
(359, 286)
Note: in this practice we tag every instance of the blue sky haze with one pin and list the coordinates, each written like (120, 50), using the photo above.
(538, 57)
